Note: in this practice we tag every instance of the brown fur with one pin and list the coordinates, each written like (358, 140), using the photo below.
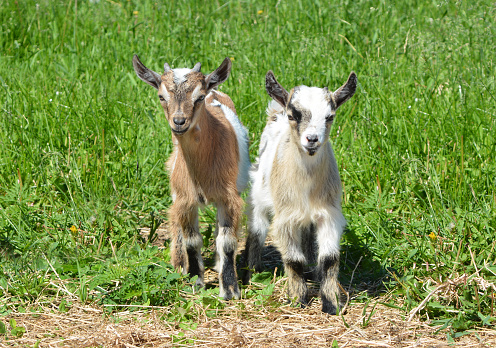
(203, 167)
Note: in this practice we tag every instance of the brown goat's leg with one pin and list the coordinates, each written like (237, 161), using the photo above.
(257, 233)
(227, 241)
(178, 255)
(191, 240)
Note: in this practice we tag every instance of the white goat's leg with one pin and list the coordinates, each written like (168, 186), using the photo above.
(257, 233)
(227, 242)
(288, 236)
(329, 232)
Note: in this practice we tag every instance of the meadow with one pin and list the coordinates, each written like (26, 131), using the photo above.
(83, 145)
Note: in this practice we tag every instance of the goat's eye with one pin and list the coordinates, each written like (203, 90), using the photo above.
(329, 118)
(201, 98)
(296, 115)
(161, 98)
(291, 118)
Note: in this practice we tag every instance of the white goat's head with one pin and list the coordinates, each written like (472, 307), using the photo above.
(182, 91)
(310, 110)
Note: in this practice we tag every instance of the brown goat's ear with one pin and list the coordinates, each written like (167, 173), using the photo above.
(147, 75)
(219, 75)
(346, 91)
(275, 90)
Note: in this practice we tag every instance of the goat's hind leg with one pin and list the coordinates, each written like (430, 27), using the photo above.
(258, 226)
(226, 243)
(310, 249)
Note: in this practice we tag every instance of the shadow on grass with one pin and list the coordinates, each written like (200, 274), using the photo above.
(358, 271)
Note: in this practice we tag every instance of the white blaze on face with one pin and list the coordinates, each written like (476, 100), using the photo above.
(163, 92)
(180, 75)
(313, 100)
(196, 93)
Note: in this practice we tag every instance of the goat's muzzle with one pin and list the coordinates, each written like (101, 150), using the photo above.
(179, 131)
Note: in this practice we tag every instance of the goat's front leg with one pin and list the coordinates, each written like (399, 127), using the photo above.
(228, 214)
(329, 232)
(289, 240)
(186, 240)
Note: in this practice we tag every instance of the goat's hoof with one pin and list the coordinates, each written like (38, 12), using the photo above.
(303, 303)
(228, 294)
(199, 283)
(329, 308)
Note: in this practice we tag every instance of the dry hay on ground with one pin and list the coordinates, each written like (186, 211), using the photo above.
(85, 326)
(240, 324)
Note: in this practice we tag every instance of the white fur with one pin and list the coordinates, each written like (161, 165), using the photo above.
(196, 93)
(302, 210)
(314, 100)
(180, 74)
(242, 139)
(165, 94)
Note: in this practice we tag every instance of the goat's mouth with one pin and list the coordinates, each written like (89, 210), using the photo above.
(179, 131)
(311, 150)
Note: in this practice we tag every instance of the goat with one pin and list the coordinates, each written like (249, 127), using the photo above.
(296, 184)
(209, 164)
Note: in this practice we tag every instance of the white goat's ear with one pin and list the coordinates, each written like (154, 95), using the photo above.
(147, 75)
(219, 75)
(346, 91)
(275, 90)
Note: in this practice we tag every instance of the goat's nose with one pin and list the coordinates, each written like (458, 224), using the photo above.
(312, 138)
(179, 121)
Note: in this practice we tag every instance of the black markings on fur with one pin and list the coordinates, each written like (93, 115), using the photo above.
(229, 281)
(310, 248)
(295, 113)
(296, 266)
(327, 305)
(295, 271)
(252, 257)
(194, 263)
(330, 263)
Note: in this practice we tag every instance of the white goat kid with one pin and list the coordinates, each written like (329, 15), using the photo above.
(297, 186)
(209, 164)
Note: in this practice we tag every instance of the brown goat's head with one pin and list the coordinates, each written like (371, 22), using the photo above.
(310, 110)
(182, 91)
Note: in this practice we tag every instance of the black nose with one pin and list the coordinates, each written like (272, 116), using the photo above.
(312, 138)
(179, 121)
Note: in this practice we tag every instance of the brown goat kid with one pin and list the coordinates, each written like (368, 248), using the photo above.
(209, 164)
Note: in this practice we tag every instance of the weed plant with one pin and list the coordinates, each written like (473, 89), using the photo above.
(83, 143)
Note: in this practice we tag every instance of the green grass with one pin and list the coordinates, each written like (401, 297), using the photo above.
(83, 142)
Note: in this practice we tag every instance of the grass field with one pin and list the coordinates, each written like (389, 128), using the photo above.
(83, 144)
